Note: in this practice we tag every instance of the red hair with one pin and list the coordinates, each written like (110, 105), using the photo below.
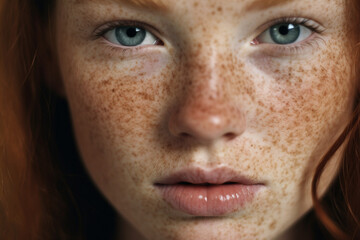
(31, 199)
(342, 201)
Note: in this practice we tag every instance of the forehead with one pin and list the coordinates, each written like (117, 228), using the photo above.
(249, 5)
(161, 3)
(247, 13)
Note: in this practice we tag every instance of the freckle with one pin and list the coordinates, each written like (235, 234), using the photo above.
(219, 9)
(260, 103)
(106, 82)
(261, 220)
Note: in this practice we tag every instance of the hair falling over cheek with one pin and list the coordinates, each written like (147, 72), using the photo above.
(19, 201)
(341, 217)
(348, 173)
(28, 196)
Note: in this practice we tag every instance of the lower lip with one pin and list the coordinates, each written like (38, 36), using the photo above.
(208, 200)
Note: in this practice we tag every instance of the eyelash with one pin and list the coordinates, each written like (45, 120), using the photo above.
(296, 20)
(101, 31)
(296, 47)
(289, 49)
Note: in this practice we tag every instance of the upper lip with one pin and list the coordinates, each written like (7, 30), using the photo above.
(201, 176)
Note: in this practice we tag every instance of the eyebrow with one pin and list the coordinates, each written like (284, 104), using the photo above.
(147, 4)
(263, 4)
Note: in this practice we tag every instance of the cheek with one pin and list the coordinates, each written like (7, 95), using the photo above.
(118, 95)
(118, 108)
(117, 111)
(299, 109)
(295, 110)
(299, 102)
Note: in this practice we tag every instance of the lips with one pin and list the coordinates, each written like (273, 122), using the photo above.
(207, 193)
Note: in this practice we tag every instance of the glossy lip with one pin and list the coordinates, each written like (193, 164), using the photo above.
(200, 192)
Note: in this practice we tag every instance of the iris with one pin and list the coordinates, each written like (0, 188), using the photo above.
(285, 33)
(130, 36)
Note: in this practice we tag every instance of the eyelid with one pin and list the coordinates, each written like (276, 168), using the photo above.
(104, 28)
(277, 50)
(307, 22)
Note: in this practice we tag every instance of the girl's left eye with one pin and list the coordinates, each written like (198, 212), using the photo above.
(130, 36)
(284, 33)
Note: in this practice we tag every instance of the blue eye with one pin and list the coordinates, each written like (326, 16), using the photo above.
(285, 33)
(130, 36)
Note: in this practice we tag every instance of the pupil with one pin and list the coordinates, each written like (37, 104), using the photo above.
(131, 32)
(283, 30)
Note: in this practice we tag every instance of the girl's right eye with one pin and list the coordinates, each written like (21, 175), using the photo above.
(285, 33)
(289, 31)
(130, 36)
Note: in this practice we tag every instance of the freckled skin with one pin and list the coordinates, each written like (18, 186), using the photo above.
(206, 98)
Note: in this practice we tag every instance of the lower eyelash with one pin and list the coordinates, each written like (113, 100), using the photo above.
(124, 52)
(294, 49)
(114, 50)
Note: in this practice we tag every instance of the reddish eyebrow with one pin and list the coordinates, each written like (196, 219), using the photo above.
(149, 4)
(146, 4)
(263, 4)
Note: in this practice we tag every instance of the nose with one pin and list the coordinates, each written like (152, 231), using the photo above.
(207, 113)
(206, 121)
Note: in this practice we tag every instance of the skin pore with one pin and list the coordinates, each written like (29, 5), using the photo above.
(210, 92)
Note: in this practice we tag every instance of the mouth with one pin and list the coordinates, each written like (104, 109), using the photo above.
(204, 184)
(198, 192)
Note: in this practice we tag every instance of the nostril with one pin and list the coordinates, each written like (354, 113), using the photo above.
(230, 136)
(185, 135)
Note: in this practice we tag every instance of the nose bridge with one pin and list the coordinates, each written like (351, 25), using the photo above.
(206, 111)
(204, 49)
(203, 77)
(205, 91)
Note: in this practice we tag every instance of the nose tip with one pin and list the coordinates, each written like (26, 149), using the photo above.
(207, 123)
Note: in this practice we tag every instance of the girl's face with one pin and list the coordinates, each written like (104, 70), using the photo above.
(259, 89)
